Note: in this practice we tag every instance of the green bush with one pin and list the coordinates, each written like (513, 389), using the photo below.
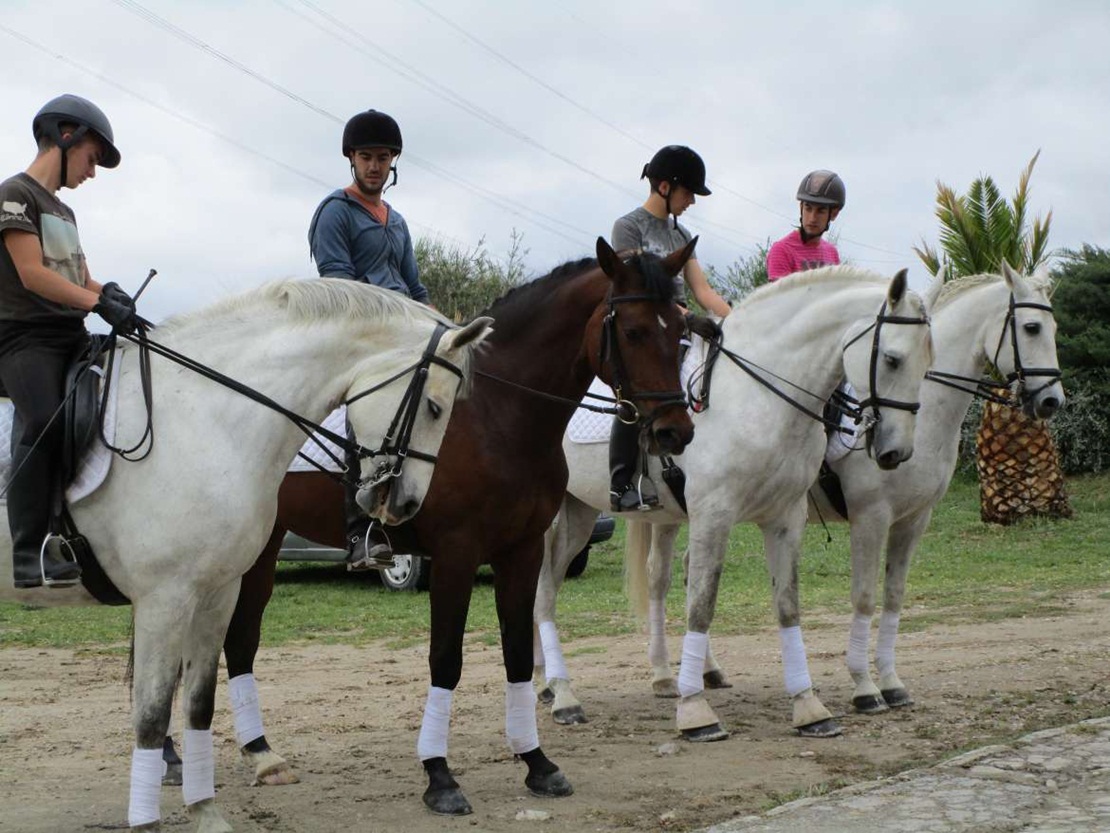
(463, 283)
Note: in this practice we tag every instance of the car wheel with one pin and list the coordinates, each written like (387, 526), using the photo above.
(409, 572)
(575, 568)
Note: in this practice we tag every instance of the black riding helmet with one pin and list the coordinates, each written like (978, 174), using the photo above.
(680, 165)
(822, 188)
(371, 129)
(72, 109)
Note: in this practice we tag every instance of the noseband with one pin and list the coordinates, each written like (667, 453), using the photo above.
(627, 411)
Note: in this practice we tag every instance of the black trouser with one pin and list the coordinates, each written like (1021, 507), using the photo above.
(355, 518)
(33, 372)
(624, 455)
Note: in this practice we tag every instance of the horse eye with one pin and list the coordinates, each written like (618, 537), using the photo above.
(1033, 328)
(434, 409)
(634, 334)
(893, 362)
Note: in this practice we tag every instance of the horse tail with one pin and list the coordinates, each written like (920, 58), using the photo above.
(637, 547)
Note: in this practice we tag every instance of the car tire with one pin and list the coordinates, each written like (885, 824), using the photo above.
(578, 565)
(411, 572)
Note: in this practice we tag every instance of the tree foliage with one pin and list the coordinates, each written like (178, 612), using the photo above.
(980, 229)
(740, 277)
(463, 283)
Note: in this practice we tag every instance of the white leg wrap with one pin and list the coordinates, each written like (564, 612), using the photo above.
(553, 652)
(520, 717)
(243, 693)
(198, 766)
(657, 633)
(147, 768)
(432, 742)
(884, 649)
(691, 671)
(859, 638)
(795, 668)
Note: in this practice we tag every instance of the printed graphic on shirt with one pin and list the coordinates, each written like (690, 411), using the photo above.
(61, 249)
(11, 211)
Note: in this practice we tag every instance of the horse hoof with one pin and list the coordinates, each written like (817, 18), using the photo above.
(570, 715)
(716, 679)
(827, 728)
(667, 689)
(172, 778)
(278, 777)
(547, 696)
(551, 785)
(705, 734)
(447, 802)
(897, 698)
(869, 704)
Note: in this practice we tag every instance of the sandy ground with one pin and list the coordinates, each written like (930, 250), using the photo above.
(347, 719)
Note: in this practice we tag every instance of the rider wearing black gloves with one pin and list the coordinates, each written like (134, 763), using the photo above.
(45, 293)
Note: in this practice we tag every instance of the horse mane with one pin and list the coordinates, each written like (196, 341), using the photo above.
(311, 301)
(822, 275)
(956, 287)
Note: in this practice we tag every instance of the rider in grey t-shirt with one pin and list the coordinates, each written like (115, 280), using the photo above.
(677, 177)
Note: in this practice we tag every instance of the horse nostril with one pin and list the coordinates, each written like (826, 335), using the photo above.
(1048, 406)
(667, 439)
(889, 460)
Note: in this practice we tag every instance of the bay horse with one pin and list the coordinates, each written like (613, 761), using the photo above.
(497, 485)
(175, 530)
(755, 458)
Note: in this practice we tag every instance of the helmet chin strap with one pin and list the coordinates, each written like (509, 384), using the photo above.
(667, 202)
(806, 236)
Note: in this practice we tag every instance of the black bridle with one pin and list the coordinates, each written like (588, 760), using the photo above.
(626, 409)
(394, 445)
(1019, 392)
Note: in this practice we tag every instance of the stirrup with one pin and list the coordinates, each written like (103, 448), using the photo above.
(65, 558)
(362, 555)
(644, 499)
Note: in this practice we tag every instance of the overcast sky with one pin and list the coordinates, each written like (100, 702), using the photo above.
(538, 117)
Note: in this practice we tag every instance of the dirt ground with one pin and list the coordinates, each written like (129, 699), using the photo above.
(347, 719)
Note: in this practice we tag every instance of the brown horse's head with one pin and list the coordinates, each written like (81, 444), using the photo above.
(633, 338)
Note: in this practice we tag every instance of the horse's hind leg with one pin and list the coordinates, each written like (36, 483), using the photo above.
(904, 538)
(200, 661)
(569, 534)
(515, 575)
(240, 648)
(659, 572)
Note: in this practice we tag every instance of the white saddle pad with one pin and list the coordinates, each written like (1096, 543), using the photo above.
(336, 423)
(589, 427)
(94, 466)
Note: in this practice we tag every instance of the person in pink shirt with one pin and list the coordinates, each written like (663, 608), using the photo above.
(821, 195)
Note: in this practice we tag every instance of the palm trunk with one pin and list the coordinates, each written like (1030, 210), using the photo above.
(1019, 468)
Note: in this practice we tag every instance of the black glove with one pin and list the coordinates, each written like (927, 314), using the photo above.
(120, 315)
(704, 326)
(116, 293)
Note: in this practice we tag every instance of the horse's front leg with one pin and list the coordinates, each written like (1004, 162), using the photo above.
(515, 576)
(659, 573)
(200, 663)
(708, 544)
(904, 538)
(869, 528)
(240, 648)
(562, 542)
(450, 589)
(157, 660)
(782, 540)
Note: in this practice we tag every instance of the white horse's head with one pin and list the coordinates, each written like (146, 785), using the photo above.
(1023, 345)
(885, 360)
(411, 413)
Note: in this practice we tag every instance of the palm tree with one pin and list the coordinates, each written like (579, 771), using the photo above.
(1019, 468)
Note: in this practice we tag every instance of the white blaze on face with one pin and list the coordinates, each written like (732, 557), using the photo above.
(662, 323)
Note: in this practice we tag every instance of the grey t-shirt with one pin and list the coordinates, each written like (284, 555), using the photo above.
(27, 206)
(640, 229)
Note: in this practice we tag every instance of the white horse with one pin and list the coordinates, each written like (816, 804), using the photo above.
(177, 530)
(1003, 320)
(754, 458)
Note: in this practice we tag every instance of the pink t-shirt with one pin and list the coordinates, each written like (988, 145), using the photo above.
(791, 255)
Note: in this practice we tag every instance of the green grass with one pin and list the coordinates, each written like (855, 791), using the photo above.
(964, 571)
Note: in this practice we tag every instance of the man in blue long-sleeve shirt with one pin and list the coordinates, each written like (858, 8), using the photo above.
(355, 234)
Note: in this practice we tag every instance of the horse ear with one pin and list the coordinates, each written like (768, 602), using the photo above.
(472, 333)
(897, 289)
(607, 258)
(673, 263)
(1009, 275)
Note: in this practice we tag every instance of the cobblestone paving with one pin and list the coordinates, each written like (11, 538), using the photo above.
(1055, 781)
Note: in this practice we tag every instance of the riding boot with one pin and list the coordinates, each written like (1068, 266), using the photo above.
(628, 488)
(29, 519)
(368, 546)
